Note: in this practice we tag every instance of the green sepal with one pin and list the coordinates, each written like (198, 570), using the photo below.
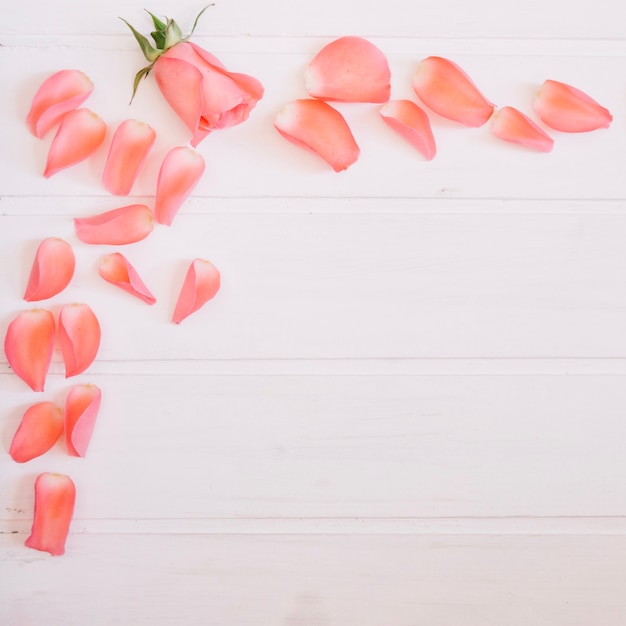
(149, 51)
(173, 34)
(195, 23)
(158, 24)
(142, 73)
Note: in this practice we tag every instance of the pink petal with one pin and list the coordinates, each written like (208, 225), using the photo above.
(62, 92)
(512, 125)
(55, 495)
(446, 89)
(350, 69)
(568, 109)
(180, 172)
(28, 346)
(81, 410)
(116, 269)
(80, 134)
(125, 225)
(318, 127)
(39, 430)
(412, 123)
(129, 148)
(79, 337)
(52, 269)
(201, 284)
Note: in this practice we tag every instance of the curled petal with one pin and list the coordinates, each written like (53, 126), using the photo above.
(79, 337)
(81, 410)
(28, 346)
(116, 269)
(568, 109)
(318, 127)
(351, 69)
(60, 93)
(412, 123)
(55, 495)
(80, 134)
(201, 284)
(129, 148)
(180, 172)
(52, 269)
(125, 225)
(446, 89)
(39, 430)
(512, 125)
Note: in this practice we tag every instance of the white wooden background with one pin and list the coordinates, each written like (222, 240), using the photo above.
(407, 404)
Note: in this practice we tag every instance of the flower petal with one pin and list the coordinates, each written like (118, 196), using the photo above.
(512, 125)
(125, 225)
(201, 283)
(52, 269)
(568, 109)
(79, 337)
(318, 127)
(62, 92)
(80, 134)
(55, 495)
(351, 69)
(446, 89)
(28, 346)
(39, 430)
(412, 123)
(116, 269)
(81, 410)
(129, 148)
(180, 172)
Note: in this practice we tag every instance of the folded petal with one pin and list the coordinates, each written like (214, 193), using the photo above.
(116, 269)
(129, 148)
(80, 134)
(39, 430)
(28, 346)
(81, 410)
(52, 269)
(568, 109)
(446, 89)
(180, 172)
(79, 337)
(125, 225)
(55, 495)
(351, 69)
(412, 123)
(318, 127)
(512, 125)
(201, 283)
(60, 93)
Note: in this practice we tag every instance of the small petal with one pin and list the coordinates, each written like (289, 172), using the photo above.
(116, 269)
(58, 94)
(125, 225)
(80, 134)
(79, 337)
(128, 151)
(201, 284)
(351, 69)
(568, 109)
(318, 127)
(55, 495)
(180, 172)
(512, 125)
(39, 430)
(81, 410)
(28, 346)
(446, 89)
(52, 269)
(412, 123)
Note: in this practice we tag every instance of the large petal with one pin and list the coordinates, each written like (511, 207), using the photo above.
(351, 69)
(318, 127)
(512, 125)
(64, 91)
(52, 269)
(79, 337)
(28, 346)
(412, 123)
(116, 269)
(55, 495)
(201, 283)
(125, 225)
(39, 430)
(81, 410)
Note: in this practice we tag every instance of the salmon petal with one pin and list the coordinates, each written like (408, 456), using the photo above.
(201, 283)
(412, 123)
(79, 337)
(52, 269)
(127, 224)
(116, 269)
(82, 405)
(512, 125)
(39, 430)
